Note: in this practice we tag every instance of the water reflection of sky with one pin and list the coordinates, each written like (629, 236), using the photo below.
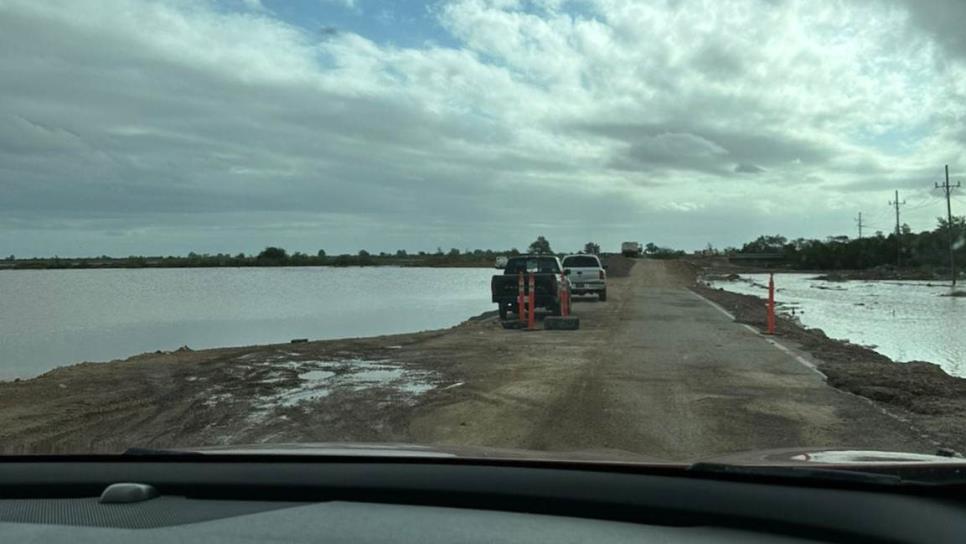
(904, 320)
(49, 318)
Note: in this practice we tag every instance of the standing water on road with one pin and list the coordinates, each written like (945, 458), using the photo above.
(51, 318)
(903, 320)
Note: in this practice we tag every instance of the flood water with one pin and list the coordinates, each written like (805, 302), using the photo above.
(50, 318)
(904, 320)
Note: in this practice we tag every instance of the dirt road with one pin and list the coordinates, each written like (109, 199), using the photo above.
(661, 372)
(656, 370)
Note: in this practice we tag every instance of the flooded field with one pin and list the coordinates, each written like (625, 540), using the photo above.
(903, 320)
(51, 318)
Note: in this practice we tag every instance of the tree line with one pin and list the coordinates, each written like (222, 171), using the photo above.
(927, 249)
(269, 257)
(278, 256)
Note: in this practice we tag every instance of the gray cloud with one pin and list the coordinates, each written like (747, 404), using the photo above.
(943, 20)
(165, 126)
(686, 146)
(747, 168)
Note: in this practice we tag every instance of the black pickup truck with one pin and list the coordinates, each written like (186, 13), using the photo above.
(546, 270)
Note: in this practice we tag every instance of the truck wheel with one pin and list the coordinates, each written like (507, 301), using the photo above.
(602, 296)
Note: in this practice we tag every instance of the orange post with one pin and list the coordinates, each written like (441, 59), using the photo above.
(531, 317)
(520, 295)
(564, 296)
(771, 304)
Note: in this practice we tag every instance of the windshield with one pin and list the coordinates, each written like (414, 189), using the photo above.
(581, 262)
(238, 222)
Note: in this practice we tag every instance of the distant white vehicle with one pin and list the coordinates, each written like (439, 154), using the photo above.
(586, 275)
(500, 262)
(631, 249)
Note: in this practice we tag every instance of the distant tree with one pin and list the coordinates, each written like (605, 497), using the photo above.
(454, 252)
(540, 246)
(401, 253)
(765, 244)
(651, 247)
(422, 253)
(272, 255)
(439, 251)
(383, 254)
(321, 253)
(12, 258)
(592, 248)
(514, 251)
(666, 253)
(363, 253)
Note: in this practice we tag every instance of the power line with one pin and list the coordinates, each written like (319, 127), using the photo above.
(896, 203)
(946, 187)
(923, 203)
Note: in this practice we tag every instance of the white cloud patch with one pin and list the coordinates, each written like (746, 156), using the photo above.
(254, 5)
(350, 4)
(191, 128)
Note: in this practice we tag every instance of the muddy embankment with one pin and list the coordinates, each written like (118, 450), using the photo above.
(356, 389)
(918, 391)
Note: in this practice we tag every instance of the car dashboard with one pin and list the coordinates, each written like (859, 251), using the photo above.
(241, 499)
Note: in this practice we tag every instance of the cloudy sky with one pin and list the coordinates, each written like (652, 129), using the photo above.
(169, 126)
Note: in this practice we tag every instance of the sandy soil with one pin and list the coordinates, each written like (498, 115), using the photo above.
(656, 371)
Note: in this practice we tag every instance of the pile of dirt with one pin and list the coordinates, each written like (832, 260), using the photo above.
(918, 391)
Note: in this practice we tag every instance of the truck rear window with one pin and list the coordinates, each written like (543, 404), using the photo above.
(537, 264)
(581, 262)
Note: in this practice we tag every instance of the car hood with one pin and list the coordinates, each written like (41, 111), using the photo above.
(814, 457)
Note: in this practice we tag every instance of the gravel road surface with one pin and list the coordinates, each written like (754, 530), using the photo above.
(658, 371)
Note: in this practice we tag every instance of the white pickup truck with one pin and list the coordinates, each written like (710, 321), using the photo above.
(586, 275)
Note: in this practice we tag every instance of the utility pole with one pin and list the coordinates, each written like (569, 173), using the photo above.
(949, 223)
(896, 203)
(859, 221)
